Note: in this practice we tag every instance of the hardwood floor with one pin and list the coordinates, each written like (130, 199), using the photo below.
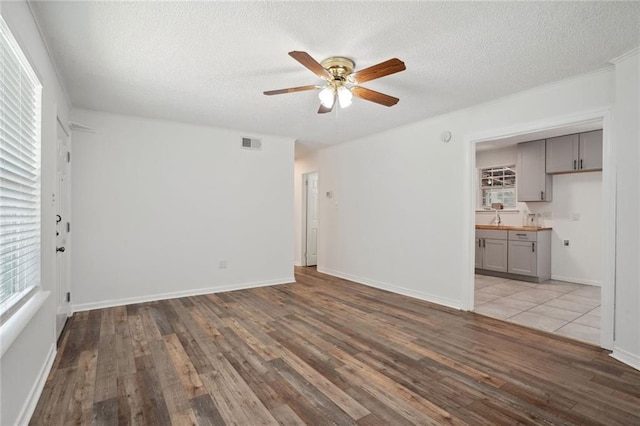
(325, 351)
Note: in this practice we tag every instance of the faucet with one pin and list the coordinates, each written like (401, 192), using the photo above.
(496, 207)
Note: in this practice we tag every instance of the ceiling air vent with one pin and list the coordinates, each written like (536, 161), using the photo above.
(250, 143)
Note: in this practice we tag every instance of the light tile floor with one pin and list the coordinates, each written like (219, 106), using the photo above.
(569, 309)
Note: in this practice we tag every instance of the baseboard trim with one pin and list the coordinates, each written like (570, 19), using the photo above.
(628, 358)
(36, 390)
(393, 288)
(576, 280)
(174, 295)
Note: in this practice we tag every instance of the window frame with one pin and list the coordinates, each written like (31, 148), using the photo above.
(479, 188)
(15, 58)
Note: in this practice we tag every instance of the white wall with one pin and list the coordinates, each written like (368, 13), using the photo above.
(157, 204)
(396, 220)
(627, 133)
(25, 364)
(580, 193)
(306, 164)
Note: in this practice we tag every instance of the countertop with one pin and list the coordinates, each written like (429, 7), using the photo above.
(513, 228)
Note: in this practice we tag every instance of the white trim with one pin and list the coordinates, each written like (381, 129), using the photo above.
(174, 295)
(617, 59)
(609, 197)
(393, 288)
(609, 215)
(36, 390)
(43, 39)
(303, 220)
(594, 283)
(13, 326)
(628, 358)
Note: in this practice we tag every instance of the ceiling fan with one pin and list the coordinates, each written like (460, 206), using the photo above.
(342, 82)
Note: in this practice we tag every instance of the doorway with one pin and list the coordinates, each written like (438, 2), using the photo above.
(63, 227)
(310, 222)
(543, 130)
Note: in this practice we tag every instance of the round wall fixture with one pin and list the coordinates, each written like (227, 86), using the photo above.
(445, 136)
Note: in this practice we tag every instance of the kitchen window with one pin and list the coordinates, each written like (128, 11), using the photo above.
(498, 185)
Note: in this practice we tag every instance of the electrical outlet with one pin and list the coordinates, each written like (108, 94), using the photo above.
(222, 264)
(565, 243)
(547, 216)
(575, 216)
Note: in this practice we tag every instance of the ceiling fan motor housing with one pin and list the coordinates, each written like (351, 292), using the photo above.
(339, 67)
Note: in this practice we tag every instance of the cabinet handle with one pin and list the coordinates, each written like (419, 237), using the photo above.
(533, 247)
(484, 242)
(574, 164)
(542, 195)
(480, 242)
(581, 164)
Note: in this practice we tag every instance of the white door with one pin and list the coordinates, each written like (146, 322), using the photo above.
(63, 305)
(311, 249)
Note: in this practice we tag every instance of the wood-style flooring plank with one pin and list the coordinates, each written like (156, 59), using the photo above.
(324, 350)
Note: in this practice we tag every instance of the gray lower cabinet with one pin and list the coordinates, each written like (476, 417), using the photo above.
(495, 255)
(491, 250)
(517, 254)
(479, 253)
(522, 258)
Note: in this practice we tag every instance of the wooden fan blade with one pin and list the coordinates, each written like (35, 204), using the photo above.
(291, 90)
(383, 69)
(305, 59)
(373, 96)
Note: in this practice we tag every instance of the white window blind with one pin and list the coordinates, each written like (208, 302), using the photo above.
(20, 101)
(498, 185)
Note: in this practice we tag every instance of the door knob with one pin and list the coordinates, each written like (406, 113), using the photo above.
(60, 249)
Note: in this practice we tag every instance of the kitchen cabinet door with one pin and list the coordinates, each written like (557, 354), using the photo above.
(562, 154)
(590, 151)
(479, 252)
(532, 180)
(523, 258)
(495, 255)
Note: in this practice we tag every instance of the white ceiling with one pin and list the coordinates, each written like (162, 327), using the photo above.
(209, 62)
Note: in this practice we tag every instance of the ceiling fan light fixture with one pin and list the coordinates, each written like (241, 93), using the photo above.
(344, 96)
(327, 97)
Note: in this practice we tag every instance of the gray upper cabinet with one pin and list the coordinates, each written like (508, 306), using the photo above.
(575, 153)
(591, 151)
(533, 182)
(562, 154)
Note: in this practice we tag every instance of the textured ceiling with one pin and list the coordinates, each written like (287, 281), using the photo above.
(209, 62)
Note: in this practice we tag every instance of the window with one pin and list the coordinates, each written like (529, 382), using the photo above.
(20, 100)
(498, 185)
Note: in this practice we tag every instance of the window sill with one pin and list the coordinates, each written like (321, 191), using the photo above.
(507, 211)
(13, 326)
